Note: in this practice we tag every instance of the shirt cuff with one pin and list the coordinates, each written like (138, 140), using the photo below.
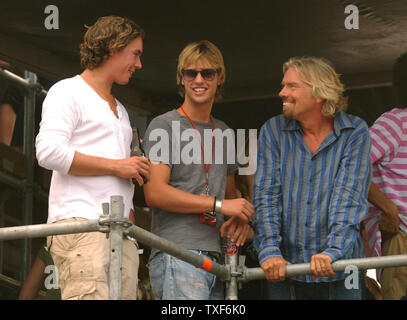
(333, 253)
(268, 253)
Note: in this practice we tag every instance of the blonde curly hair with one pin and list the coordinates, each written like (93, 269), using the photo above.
(110, 33)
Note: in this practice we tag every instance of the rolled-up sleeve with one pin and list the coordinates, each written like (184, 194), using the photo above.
(59, 119)
(349, 203)
(267, 196)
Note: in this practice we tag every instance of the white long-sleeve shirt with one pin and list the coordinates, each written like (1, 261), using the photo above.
(76, 118)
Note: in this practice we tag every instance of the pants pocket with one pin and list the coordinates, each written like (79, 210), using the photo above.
(157, 274)
(80, 279)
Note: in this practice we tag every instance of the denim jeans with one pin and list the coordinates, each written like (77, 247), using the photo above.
(296, 290)
(174, 279)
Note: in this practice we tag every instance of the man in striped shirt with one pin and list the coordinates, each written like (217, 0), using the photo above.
(311, 185)
(386, 223)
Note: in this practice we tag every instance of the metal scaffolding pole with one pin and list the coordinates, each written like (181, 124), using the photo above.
(150, 239)
(44, 230)
(28, 149)
(232, 261)
(232, 273)
(116, 246)
(32, 88)
(23, 83)
(338, 266)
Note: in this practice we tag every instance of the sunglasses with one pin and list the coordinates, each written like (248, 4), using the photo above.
(207, 74)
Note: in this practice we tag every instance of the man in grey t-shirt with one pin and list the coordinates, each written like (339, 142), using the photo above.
(185, 186)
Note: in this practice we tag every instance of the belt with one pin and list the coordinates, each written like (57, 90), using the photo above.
(213, 254)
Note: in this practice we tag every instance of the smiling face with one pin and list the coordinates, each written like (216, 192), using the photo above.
(126, 61)
(200, 91)
(298, 101)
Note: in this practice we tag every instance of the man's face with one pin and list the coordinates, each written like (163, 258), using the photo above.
(298, 101)
(126, 61)
(200, 90)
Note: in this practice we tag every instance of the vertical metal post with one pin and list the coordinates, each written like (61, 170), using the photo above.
(231, 260)
(28, 149)
(116, 244)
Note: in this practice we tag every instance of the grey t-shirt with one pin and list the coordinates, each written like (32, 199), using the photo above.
(171, 139)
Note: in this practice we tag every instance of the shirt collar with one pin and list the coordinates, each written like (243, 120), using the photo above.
(341, 121)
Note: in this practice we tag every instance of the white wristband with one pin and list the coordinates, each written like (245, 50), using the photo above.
(218, 206)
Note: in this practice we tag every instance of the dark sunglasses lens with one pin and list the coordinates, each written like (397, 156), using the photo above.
(190, 74)
(208, 74)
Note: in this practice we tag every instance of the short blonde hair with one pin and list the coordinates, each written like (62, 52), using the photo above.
(324, 81)
(208, 53)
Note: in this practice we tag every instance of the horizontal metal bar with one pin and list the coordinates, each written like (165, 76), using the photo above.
(173, 249)
(21, 82)
(338, 266)
(10, 281)
(43, 230)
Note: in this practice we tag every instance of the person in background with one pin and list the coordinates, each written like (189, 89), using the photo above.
(386, 223)
(36, 279)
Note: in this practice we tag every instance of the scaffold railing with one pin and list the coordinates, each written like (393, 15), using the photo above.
(32, 89)
(232, 273)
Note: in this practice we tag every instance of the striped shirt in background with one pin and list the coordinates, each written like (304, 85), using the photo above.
(311, 203)
(389, 170)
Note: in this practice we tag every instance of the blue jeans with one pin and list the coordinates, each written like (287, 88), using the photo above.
(174, 279)
(296, 290)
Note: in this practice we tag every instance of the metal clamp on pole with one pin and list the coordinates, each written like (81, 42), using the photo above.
(106, 220)
(231, 261)
(114, 224)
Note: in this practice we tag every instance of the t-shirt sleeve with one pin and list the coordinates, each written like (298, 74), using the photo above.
(386, 135)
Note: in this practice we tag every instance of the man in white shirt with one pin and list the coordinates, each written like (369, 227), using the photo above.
(85, 138)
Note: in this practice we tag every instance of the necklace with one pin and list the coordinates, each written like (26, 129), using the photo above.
(207, 166)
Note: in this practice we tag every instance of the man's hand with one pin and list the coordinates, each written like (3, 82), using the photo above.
(389, 222)
(275, 269)
(236, 230)
(239, 208)
(134, 167)
(321, 266)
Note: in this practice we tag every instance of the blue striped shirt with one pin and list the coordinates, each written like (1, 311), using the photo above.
(311, 203)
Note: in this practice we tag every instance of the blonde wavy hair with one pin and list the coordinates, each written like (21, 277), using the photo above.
(207, 53)
(324, 81)
(110, 33)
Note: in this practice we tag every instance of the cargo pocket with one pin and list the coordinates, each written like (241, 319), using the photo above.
(80, 279)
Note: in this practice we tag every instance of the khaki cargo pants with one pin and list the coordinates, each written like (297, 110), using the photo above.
(82, 261)
(394, 280)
